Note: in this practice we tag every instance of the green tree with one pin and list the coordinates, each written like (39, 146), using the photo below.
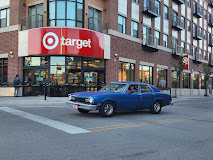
(207, 72)
(178, 68)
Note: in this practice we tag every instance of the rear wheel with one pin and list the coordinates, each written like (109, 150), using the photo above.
(156, 108)
(82, 110)
(107, 109)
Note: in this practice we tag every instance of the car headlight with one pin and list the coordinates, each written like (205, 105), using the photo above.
(91, 100)
(70, 97)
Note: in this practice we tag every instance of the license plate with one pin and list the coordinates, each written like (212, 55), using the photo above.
(75, 106)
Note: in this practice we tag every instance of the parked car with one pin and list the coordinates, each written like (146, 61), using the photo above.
(120, 96)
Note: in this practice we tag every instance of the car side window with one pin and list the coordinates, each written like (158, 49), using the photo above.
(133, 88)
(145, 89)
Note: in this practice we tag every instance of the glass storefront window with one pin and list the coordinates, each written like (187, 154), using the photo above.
(203, 85)
(57, 74)
(162, 78)
(66, 13)
(3, 70)
(186, 80)
(196, 81)
(145, 74)
(74, 77)
(126, 71)
(93, 63)
(175, 80)
(32, 61)
(73, 62)
(57, 60)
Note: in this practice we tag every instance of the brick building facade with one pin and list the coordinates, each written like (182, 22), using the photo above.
(147, 37)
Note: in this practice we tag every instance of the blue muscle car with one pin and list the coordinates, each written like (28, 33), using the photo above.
(120, 96)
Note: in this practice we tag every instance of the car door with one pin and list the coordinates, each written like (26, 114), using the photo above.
(147, 97)
(130, 101)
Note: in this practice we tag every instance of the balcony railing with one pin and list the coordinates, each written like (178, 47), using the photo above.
(197, 57)
(210, 3)
(32, 21)
(197, 33)
(210, 22)
(150, 43)
(177, 50)
(197, 11)
(98, 25)
(177, 23)
(151, 8)
(179, 1)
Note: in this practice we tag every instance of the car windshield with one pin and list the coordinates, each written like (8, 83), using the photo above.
(114, 87)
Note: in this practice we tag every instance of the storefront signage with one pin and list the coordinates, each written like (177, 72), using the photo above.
(66, 41)
(186, 62)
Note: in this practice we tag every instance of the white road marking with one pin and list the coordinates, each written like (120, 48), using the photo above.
(52, 123)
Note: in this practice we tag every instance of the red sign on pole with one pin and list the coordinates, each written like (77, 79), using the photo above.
(186, 62)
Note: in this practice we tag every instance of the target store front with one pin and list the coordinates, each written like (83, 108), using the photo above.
(66, 59)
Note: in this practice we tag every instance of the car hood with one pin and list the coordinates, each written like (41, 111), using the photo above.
(92, 94)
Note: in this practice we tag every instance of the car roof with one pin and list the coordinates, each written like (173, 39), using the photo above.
(129, 82)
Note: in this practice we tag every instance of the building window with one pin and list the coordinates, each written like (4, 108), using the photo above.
(186, 80)
(165, 13)
(189, 3)
(146, 74)
(204, 34)
(165, 40)
(183, 46)
(4, 17)
(157, 35)
(158, 6)
(188, 49)
(66, 13)
(205, 15)
(203, 85)
(196, 81)
(136, 1)
(126, 71)
(204, 55)
(162, 78)
(35, 19)
(121, 24)
(3, 70)
(188, 25)
(134, 29)
(183, 20)
(94, 19)
(175, 80)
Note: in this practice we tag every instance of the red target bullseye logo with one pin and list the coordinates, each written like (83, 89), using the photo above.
(50, 40)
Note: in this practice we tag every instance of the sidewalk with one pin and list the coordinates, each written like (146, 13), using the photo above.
(32, 101)
(57, 101)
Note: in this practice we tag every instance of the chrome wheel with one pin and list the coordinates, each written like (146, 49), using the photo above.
(156, 107)
(108, 109)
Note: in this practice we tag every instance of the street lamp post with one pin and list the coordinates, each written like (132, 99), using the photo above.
(45, 82)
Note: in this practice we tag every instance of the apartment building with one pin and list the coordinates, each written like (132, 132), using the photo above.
(75, 45)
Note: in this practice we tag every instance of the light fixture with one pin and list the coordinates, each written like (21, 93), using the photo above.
(11, 53)
(116, 54)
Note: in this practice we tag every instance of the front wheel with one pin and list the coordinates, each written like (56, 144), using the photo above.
(156, 108)
(82, 110)
(107, 109)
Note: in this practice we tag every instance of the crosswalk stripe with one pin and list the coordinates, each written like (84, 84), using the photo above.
(51, 123)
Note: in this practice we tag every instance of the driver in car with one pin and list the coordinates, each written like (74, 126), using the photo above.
(131, 89)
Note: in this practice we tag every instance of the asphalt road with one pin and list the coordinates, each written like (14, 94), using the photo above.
(180, 132)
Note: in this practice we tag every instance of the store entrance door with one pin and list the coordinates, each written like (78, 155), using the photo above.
(34, 80)
(93, 80)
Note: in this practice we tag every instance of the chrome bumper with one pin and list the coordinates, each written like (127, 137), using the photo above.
(84, 106)
(172, 103)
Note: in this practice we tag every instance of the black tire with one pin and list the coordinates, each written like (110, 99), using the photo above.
(82, 110)
(156, 108)
(107, 109)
